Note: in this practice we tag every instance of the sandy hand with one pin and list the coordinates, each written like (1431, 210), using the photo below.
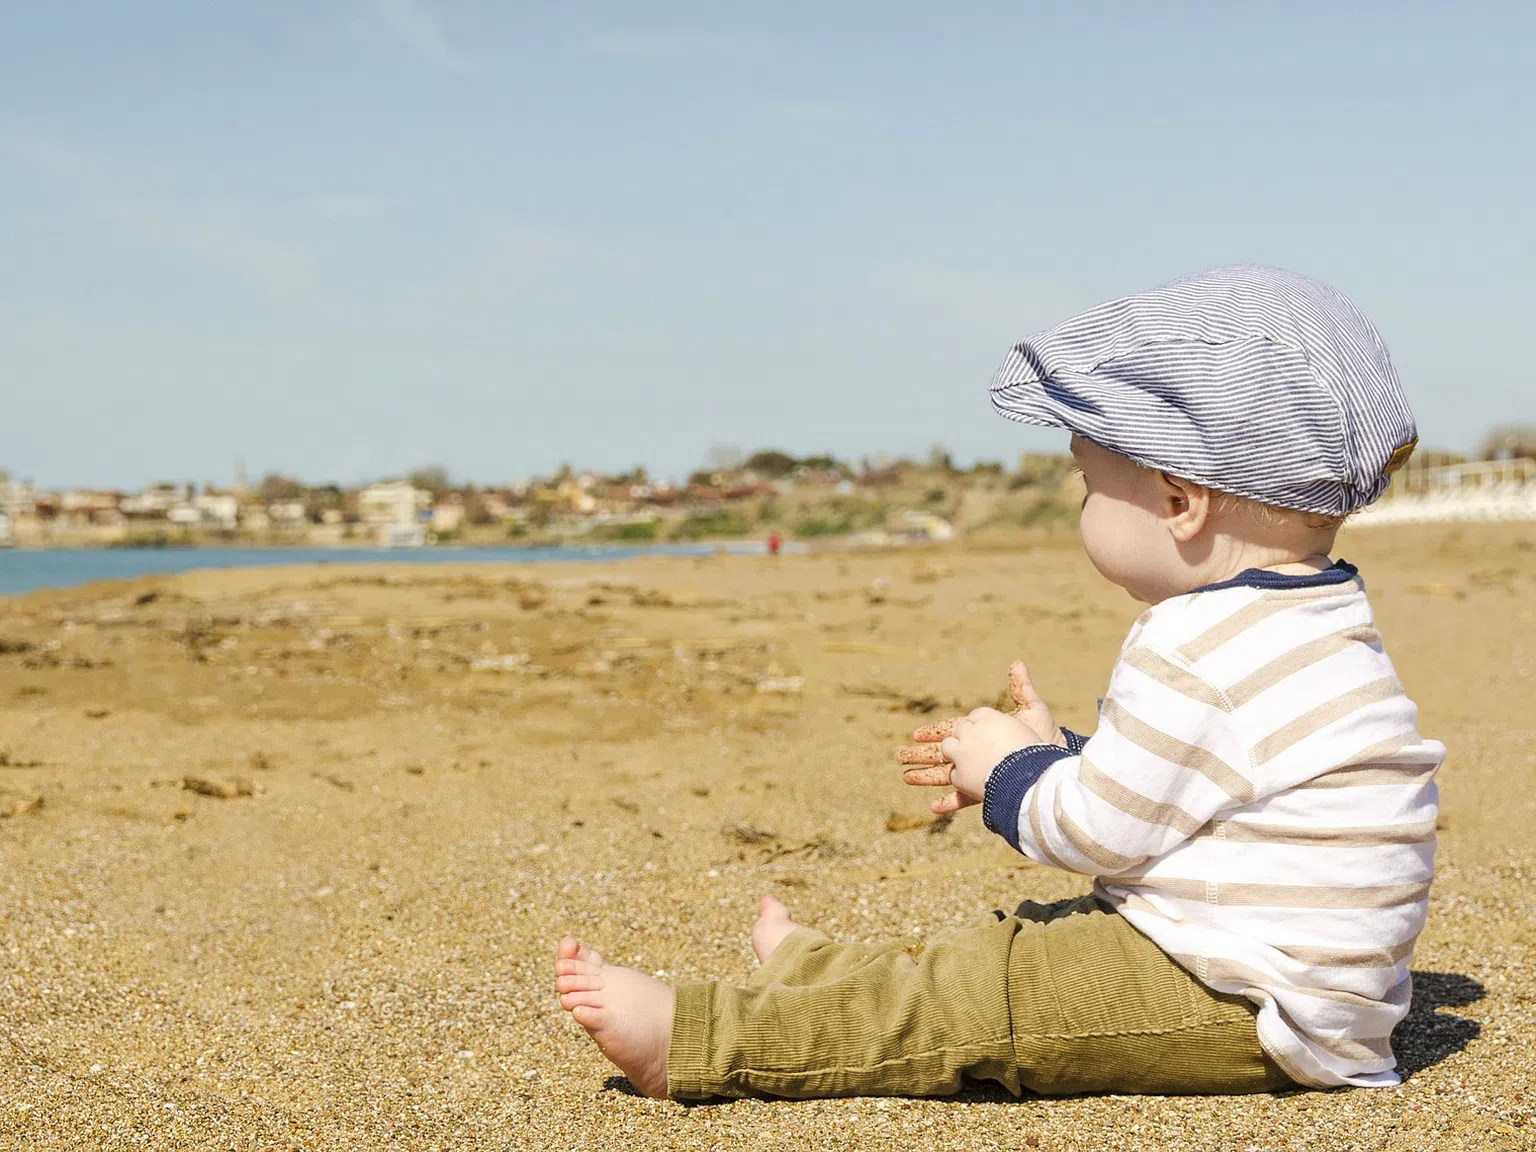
(924, 762)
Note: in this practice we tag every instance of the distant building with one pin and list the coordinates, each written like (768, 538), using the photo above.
(659, 494)
(153, 503)
(448, 513)
(219, 509)
(575, 497)
(87, 508)
(286, 512)
(497, 506)
(392, 502)
(393, 510)
(17, 508)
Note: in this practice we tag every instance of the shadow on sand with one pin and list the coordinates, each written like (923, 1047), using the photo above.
(623, 1087)
(1425, 1037)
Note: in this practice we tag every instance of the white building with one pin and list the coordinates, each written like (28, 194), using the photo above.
(15, 504)
(449, 515)
(153, 502)
(392, 502)
(395, 510)
(220, 509)
(15, 496)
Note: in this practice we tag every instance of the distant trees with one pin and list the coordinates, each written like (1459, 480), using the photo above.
(433, 478)
(771, 463)
(276, 488)
(475, 511)
(1510, 442)
(324, 498)
(768, 463)
(825, 462)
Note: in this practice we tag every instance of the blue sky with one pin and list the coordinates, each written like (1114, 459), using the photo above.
(341, 238)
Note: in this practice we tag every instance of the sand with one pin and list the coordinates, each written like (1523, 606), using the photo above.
(286, 852)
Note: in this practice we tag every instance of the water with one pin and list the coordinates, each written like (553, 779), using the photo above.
(25, 570)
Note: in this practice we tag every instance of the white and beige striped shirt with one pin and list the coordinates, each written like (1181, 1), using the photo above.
(1258, 801)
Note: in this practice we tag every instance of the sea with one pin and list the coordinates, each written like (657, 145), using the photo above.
(29, 569)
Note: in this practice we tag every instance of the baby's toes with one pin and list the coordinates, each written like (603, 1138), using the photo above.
(571, 950)
(577, 982)
(588, 998)
(579, 967)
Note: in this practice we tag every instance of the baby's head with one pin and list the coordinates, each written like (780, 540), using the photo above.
(1159, 535)
(1224, 421)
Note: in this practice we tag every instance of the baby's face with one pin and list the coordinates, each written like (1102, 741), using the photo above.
(1122, 525)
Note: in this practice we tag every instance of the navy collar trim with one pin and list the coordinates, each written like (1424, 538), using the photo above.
(1342, 572)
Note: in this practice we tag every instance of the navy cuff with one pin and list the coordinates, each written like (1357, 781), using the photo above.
(1013, 777)
(1075, 743)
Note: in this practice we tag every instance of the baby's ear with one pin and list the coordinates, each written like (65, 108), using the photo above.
(1185, 506)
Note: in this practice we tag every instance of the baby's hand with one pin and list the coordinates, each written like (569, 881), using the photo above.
(927, 765)
(980, 742)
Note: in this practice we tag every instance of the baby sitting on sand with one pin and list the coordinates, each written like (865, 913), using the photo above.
(1257, 806)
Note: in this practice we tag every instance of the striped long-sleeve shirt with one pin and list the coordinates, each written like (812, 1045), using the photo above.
(1257, 800)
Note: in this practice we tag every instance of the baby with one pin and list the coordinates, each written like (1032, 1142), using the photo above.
(1257, 806)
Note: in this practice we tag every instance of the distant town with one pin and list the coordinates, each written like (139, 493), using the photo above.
(735, 496)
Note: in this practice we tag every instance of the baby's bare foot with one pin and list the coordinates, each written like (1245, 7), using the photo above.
(773, 924)
(627, 1013)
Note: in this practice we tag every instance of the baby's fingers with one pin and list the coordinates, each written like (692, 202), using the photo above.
(933, 733)
(951, 803)
(938, 774)
(920, 754)
(1020, 687)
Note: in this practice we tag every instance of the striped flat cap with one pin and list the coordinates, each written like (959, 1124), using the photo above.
(1251, 380)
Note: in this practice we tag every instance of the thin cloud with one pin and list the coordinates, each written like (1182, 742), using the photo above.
(52, 158)
(128, 198)
(213, 235)
(348, 208)
(799, 107)
(516, 255)
(985, 300)
(414, 24)
(665, 44)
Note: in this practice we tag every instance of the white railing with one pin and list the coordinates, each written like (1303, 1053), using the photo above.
(1482, 490)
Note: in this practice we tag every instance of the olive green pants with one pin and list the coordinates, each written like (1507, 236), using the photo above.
(1055, 999)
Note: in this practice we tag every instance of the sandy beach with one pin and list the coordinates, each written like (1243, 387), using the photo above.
(285, 852)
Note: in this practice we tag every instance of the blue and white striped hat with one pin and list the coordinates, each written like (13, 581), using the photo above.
(1251, 380)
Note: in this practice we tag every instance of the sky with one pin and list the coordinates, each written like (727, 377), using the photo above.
(345, 238)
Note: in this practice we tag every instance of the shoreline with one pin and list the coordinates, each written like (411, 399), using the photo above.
(38, 569)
